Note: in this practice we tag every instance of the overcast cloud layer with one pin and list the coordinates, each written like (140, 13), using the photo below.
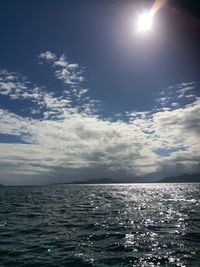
(63, 137)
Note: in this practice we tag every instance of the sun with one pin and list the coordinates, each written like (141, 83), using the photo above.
(145, 22)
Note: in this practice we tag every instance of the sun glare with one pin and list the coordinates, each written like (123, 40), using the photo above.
(145, 22)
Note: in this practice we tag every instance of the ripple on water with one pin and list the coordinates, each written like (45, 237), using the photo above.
(115, 225)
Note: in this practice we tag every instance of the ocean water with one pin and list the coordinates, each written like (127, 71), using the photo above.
(100, 225)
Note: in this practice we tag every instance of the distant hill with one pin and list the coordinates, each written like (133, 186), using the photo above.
(185, 178)
(95, 181)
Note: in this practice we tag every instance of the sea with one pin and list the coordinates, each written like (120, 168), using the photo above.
(100, 225)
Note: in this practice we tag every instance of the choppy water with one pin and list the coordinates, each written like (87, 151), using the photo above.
(100, 225)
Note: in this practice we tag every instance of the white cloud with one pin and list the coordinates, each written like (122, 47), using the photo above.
(48, 56)
(79, 144)
(69, 140)
(68, 72)
(61, 62)
(22, 89)
(175, 104)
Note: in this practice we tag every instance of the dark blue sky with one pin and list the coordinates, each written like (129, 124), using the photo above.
(134, 83)
(123, 71)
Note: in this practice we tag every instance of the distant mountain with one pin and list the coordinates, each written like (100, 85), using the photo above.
(95, 181)
(184, 178)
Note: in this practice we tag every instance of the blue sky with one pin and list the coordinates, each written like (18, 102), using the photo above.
(82, 94)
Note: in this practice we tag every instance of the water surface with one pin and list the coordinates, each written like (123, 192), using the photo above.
(100, 225)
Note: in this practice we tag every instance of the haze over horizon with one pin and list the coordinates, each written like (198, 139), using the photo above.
(83, 95)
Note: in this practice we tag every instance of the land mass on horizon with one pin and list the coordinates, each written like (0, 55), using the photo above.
(184, 178)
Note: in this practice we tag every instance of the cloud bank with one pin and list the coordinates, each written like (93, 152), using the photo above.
(63, 136)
